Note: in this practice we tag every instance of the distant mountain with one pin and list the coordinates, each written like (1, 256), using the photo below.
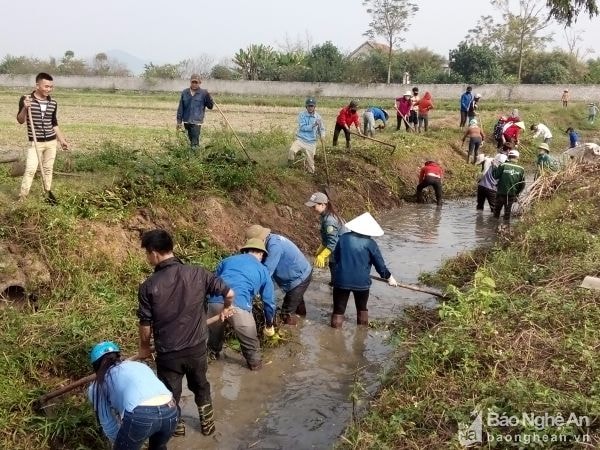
(133, 63)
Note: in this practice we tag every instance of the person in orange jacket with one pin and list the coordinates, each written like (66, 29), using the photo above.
(425, 105)
(431, 175)
(346, 117)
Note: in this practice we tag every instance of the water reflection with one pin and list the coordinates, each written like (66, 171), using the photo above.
(302, 399)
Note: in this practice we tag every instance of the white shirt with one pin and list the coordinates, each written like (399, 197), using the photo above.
(543, 131)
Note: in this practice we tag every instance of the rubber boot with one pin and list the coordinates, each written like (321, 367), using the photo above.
(337, 320)
(301, 309)
(207, 421)
(362, 318)
(289, 319)
(179, 429)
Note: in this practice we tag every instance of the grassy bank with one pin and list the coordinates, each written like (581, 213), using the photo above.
(130, 171)
(518, 336)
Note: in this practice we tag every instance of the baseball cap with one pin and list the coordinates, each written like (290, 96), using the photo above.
(513, 153)
(195, 77)
(317, 198)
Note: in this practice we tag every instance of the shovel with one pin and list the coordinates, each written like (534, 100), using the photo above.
(412, 287)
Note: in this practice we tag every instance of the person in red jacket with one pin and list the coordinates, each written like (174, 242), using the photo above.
(431, 175)
(346, 117)
(511, 133)
(425, 105)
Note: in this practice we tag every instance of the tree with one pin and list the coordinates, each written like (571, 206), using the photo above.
(202, 65)
(256, 62)
(423, 65)
(325, 63)
(566, 11)
(573, 38)
(389, 18)
(517, 36)
(477, 64)
(593, 75)
(164, 71)
(69, 65)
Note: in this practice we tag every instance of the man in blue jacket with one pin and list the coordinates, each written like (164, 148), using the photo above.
(289, 268)
(310, 127)
(245, 274)
(371, 114)
(192, 105)
(465, 102)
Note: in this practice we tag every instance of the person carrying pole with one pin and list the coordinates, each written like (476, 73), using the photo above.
(355, 253)
(403, 105)
(130, 402)
(43, 132)
(310, 128)
(172, 307)
(345, 119)
(192, 106)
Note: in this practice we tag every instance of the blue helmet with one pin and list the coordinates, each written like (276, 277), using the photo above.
(101, 349)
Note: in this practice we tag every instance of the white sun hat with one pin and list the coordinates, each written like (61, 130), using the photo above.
(365, 224)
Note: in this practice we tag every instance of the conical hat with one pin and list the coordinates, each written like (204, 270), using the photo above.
(365, 224)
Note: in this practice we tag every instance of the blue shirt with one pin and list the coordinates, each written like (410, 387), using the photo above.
(378, 113)
(307, 131)
(247, 277)
(465, 101)
(354, 255)
(573, 138)
(191, 107)
(286, 263)
(126, 385)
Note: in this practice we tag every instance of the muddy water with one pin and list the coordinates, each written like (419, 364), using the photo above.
(302, 398)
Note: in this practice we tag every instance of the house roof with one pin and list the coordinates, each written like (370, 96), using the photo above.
(368, 46)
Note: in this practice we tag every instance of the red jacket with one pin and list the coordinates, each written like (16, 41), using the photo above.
(512, 132)
(425, 104)
(431, 169)
(347, 118)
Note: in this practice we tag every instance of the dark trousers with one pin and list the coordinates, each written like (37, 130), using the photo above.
(293, 298)
(193, 132)
(336, 133)
(504, 201)
(474, 144)
(463, 118)
(171, 368)
(437, 187)
(341, 296)
(424, 120)
(332, 265)
(413, 117)
(156, 423)
(484, 194)
(399, 122)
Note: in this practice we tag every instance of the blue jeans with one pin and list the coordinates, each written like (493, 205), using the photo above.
(193, 132)
(155, 422)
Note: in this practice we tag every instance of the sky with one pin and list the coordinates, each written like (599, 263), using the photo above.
(165, 32)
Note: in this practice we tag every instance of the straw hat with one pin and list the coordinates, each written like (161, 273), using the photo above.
(520, 124)
(365, 224)
(544, 146)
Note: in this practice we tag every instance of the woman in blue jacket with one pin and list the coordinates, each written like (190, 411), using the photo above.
(130, 402)
(354, 254)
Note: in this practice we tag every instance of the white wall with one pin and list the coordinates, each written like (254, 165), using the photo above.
(439, 91)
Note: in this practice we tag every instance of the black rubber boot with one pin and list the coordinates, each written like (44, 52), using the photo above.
(362, 318)
(207, 421)
(301, 309)
(337, 320)
(289, 319)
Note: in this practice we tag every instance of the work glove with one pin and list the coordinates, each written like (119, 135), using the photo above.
(321, 258)
(392, 281)
(269, 331)
(320, 249)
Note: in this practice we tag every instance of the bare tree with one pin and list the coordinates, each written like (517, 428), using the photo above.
(201, 64)
(573, 38)
(389, 19)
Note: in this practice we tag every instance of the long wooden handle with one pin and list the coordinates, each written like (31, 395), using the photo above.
(37, 150)
(233, 131)
(88, 379)
(412, 287)
(372, 139)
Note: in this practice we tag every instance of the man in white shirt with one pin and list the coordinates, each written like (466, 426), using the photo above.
(541, 130)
